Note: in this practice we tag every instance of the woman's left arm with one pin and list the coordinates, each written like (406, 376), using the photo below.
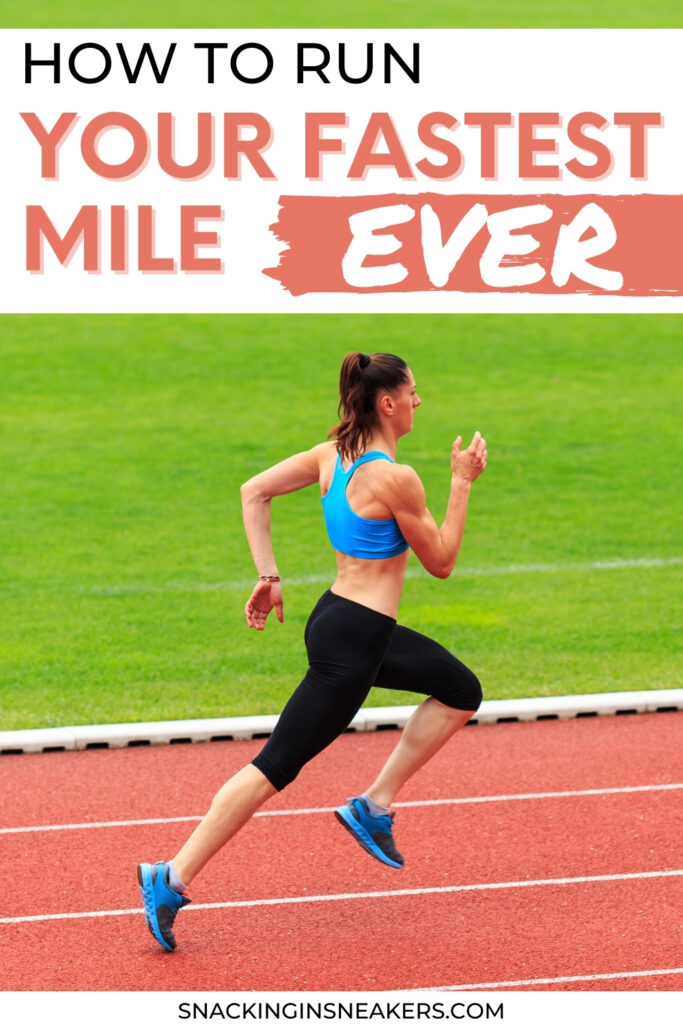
(292, 474)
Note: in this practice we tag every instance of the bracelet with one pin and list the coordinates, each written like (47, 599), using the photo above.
(269, 579)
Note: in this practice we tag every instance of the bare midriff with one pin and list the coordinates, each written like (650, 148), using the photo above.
(375, 583)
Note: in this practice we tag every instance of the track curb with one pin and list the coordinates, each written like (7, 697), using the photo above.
(202, 730)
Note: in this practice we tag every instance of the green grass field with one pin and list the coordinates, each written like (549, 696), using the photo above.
(124, 568)
(350, 14)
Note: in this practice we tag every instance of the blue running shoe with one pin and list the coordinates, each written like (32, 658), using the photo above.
(372, 831)
(161, 902)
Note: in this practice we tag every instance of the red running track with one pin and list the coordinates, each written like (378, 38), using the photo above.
(523, 894)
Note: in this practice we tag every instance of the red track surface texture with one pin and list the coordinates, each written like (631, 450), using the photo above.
(510, 893)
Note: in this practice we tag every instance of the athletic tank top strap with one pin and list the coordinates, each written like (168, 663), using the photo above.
(368, 457)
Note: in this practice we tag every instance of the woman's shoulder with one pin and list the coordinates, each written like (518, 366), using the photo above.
(406, 473)
(402, 481)
(326, 456)
(325, 452)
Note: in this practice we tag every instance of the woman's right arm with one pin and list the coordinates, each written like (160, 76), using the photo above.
(437, 547)
(292, 474)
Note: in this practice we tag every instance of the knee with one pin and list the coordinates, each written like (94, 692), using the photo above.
(464, 692)
(476, 694)
(276, 774)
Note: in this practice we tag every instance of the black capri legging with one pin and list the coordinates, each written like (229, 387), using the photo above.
(350, 649)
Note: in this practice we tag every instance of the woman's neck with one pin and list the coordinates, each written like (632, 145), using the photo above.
(380, 441)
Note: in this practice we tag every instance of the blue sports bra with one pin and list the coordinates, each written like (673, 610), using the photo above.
(353, 534)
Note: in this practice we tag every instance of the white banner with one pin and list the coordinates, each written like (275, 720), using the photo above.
(440, 1007)
(347, 170)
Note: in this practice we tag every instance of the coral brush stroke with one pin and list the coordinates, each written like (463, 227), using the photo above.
(316, 230)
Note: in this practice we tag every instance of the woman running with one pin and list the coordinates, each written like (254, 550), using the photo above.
(375, 511)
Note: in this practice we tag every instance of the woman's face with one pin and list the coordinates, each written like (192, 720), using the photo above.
(405, 401)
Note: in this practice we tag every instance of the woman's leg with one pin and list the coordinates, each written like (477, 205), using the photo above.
(418, 664)
(346, 643)
(428, 728)
(415, 663)
(231, 808)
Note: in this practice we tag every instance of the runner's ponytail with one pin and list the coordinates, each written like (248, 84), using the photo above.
(362, 379)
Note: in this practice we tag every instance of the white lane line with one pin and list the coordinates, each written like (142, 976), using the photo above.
(480, 986)
(343, 896)
(543, 796)
(98, 824)
(193, 587)
(327, 810)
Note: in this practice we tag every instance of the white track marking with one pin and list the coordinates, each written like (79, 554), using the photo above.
(543, 796)
(193, 587)
(343, 896)
(482, 985)
(446, 801)
(98, 824)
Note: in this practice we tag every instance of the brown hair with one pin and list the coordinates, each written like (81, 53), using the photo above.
(361, 380)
